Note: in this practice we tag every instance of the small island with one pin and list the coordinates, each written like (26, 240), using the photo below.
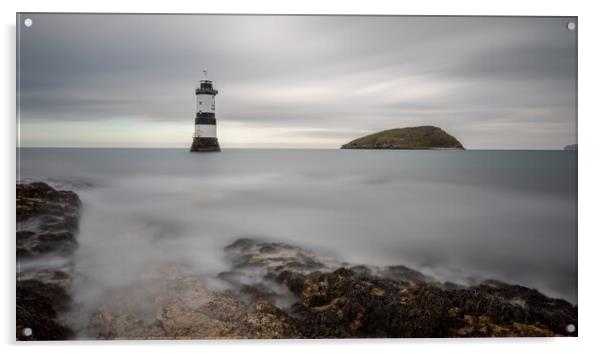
(412, 138)
(572, 147)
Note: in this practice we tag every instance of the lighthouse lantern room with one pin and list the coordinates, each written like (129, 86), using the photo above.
(205, 134)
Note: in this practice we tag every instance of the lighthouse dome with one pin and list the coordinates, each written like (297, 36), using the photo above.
(205, 87)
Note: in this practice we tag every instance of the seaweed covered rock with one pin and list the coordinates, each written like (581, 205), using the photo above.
(337, 300)
(344, 304)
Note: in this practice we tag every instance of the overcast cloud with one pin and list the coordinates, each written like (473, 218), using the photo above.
(296, 81)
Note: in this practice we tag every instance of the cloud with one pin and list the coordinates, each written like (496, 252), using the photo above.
(495, 82)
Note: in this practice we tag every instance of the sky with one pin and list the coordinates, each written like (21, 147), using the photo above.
(295, 81)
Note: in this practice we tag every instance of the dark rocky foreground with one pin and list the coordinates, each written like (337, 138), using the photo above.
(282, 291)
(47, 221)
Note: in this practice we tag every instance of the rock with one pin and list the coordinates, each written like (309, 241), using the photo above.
(38, 305)
(56, 276)
(397, 301)
(275, 257)
(413, 138)
(47, 221)
(181, 307)
(39, 198)
(572, 147)
(344, 304)
(326, 299)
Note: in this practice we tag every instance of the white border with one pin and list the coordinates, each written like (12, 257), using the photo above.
(589, 171)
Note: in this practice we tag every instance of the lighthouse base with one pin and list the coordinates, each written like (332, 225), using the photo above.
(204, 145)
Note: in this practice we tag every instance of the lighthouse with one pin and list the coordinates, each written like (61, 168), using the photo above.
(205, 137)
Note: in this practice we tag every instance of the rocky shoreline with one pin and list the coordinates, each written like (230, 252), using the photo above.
(270, 290)
(47, 222)
(283, 291)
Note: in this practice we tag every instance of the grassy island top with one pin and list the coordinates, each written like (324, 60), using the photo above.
(423, 137)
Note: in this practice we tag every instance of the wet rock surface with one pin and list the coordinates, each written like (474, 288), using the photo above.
(47, 222)
(282, 291)
(38, 305)
(173, 305)
(362, 301)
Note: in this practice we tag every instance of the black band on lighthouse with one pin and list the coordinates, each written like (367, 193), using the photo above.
(204, 144)
(206, 91)
(204, 120)
(205, 114)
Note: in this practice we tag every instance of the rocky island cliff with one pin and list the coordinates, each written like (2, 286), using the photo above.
(412, 138)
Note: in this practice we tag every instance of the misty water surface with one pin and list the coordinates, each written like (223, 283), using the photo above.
(460, 216)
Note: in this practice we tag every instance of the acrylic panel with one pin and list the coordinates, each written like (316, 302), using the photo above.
(283, 176)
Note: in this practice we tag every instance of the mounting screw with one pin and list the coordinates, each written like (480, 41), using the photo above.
(570, 328)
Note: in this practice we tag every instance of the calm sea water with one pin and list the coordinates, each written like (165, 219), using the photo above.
(457, 215)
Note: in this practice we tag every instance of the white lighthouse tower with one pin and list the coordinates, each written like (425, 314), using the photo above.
(205, 134)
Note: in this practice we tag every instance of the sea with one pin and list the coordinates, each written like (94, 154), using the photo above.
(457, 216)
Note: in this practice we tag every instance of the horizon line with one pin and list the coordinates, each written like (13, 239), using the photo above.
(279, 148)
